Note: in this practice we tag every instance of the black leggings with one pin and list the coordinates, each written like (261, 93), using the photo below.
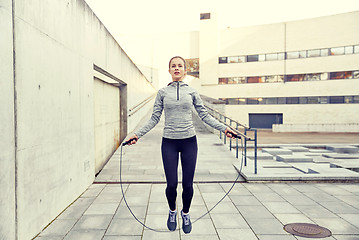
(170, 152)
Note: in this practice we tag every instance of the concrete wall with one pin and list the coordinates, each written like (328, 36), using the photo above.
(51, 141)
(7, 126)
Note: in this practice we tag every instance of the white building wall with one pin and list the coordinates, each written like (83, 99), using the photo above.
(7, 126)
(323, 32)
(56, 45)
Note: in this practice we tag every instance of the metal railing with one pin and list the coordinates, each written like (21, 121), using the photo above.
(236, 126)
(140, 105)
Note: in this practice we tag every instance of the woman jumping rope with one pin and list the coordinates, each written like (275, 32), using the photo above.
(179, 137)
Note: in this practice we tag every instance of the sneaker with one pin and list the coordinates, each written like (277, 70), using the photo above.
(186, 224)
(172, 221)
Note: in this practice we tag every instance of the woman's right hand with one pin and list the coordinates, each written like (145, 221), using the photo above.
(134, 139)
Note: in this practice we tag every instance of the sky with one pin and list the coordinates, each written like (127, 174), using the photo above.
(137, 24)
(144, 16)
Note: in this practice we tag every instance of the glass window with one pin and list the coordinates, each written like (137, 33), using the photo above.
(233, 59)
(241, 101)
(281, 56)
(356, 49)
(303, 100)
(255, 79)
(312, 100)
(323, 100)
(252, 101)
(261, 101)
(314, 53)
(337, 51)
(348, 50)
(312, 77)
(223, 81)
(272, 100)
(295, 77)
(261, 58)
(252, 58)
(281, 100)
(232, 101)
(232, 80)
(223, 60)
(355, 99)
(341, 75)
(324, 52)
(356, 74)
(324, 76)
(348, 99)
(336, 99)
(292, 55)
(292, 100)
(302, 54)
(272, 56)
(224, 99)
(241, 59)
(240, 79)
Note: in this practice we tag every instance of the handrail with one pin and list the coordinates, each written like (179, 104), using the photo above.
(140, 105)
(225, 117)
(246, 138)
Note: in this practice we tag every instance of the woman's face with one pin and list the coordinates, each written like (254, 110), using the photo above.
(177, 69)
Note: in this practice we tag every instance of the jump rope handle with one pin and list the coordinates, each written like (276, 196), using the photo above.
(128, 141)
(235, 135)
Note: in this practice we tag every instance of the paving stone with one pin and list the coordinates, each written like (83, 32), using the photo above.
(277, 151)
(87, 234)
(296, 148)
(293, 158)
(342, 148)
(236, 234)
(341, 155)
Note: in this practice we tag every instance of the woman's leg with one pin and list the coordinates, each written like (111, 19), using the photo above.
(169, 149)
(188, 160)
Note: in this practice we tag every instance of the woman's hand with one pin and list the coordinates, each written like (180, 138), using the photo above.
(229, 133)
(134, 139)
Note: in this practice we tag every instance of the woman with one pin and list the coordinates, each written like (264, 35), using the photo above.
(179, 136)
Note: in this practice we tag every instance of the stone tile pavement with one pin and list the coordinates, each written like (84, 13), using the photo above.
(257, 210)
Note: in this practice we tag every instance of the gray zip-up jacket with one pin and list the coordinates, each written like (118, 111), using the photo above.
(177, 100)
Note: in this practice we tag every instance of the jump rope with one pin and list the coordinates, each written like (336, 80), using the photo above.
(225, 195)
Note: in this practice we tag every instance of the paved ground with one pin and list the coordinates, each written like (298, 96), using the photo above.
(250, 211)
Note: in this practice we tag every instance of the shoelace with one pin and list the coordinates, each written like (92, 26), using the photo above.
(186, 219)
(172, 217)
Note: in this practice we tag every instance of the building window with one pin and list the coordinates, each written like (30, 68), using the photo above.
(223, 81)
(274, 78)
(314, 53)
(312, 76)
(292, 55)
(261, 57)
(252, 58)
(232, 80)
(323, 100)
(281, 56)
(272, 56)
(356, 74)
(204, 16)
(348, 50)
(341, 75)
(252, 100)
(233, 60)
(255, 79)
(295, 78)
(292, 100)
(324, 52)
(223, 60)
(302, 54)
(356, 49)
(337, 51)
(336, 99)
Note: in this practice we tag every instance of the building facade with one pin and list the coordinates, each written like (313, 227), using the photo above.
(300, 75)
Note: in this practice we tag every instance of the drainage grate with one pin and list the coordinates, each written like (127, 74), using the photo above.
(307, 230)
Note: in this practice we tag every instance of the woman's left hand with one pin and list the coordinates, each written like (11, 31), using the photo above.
(229, 133)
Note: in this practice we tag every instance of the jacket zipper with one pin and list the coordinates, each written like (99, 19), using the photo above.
(177, 91)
